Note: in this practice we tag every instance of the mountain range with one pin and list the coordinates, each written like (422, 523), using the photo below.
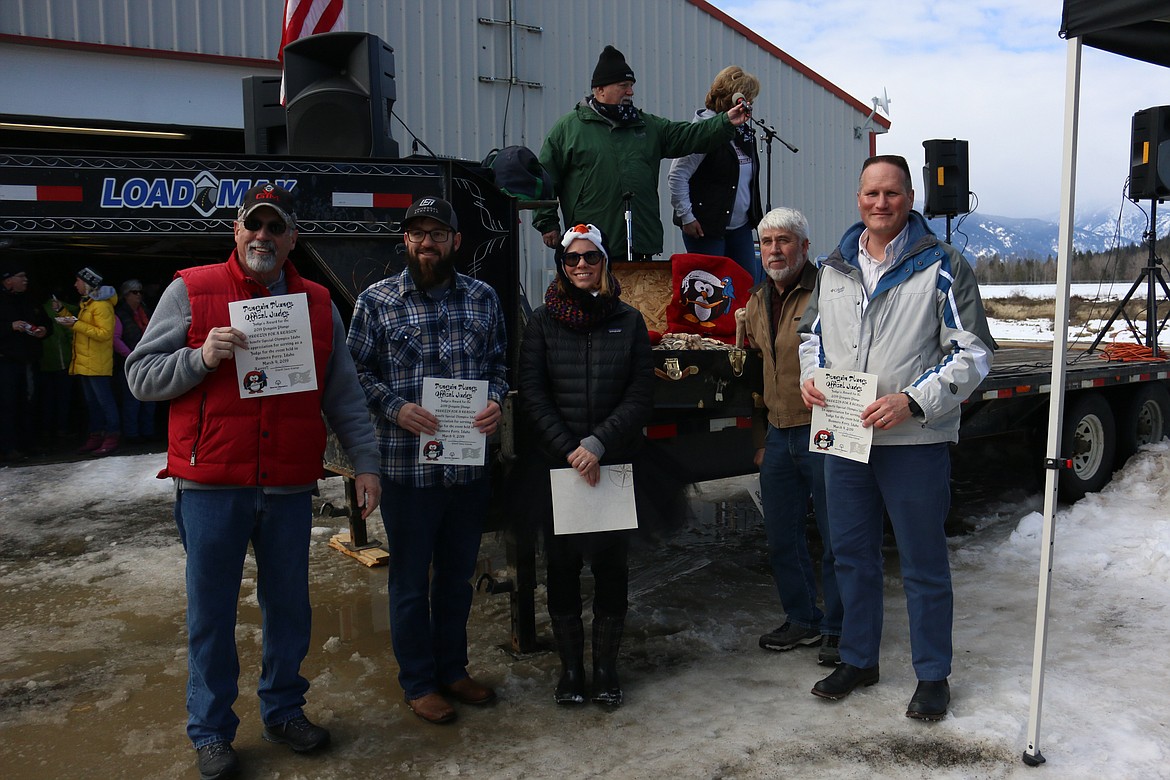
(983, 235)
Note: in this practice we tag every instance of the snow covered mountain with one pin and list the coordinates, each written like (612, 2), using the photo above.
(980, 235)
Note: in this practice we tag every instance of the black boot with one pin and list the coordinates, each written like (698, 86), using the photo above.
(607, 639)
(569, 635)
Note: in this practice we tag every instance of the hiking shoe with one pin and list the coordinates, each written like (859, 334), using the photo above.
(217, 760)
(789, 636)
(830, 653)
(298, 733)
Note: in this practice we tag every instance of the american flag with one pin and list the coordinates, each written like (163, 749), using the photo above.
(309, 17)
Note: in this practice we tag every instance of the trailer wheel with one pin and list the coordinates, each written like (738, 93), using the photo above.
(1089, 438)
(1145, 419)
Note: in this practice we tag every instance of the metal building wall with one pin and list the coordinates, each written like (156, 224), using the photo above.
(477, 74)
(450, 63)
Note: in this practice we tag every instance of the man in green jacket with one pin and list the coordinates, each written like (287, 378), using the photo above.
(606, 147)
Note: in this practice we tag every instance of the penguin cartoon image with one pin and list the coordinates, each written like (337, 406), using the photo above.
(255, 381)
(706, 296)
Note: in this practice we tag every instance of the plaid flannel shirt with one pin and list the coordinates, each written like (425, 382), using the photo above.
(399, 335)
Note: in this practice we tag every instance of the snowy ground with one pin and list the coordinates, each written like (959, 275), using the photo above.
(92, 652)
(92, 649)
(1040, 330)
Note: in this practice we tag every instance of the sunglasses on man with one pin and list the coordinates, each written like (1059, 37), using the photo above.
(275, 226)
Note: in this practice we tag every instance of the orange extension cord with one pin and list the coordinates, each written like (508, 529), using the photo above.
(1122, 352)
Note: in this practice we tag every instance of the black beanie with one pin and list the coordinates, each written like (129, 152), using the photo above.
(611, 68)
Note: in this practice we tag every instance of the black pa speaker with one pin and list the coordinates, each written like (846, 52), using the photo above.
(339, 90)
(264, 128)
(1149, 159)
(945, 178)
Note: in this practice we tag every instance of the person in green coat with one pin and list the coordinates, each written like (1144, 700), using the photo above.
(606, 147)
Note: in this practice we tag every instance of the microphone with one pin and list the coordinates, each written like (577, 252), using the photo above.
(739, 100)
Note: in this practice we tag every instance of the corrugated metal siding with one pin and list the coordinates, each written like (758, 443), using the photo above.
(453, 73)
(222, 28)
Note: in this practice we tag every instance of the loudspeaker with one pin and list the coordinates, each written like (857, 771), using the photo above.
(945, 178)
(1149, 159)
(264, 127)
(339, 90)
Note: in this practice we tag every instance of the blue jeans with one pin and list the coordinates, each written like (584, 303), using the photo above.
(215, 527)
(137, 416)
(913, 484)
(431, 529)
(738, 244)
(100, 404)
(788, 476)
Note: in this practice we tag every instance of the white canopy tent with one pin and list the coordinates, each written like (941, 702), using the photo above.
(1139, 29)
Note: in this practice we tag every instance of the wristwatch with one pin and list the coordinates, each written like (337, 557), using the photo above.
(915, 409)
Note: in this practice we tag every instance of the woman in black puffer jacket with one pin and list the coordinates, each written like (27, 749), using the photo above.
(586, 382)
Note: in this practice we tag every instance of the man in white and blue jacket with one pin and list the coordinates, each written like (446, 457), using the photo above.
(895, 301)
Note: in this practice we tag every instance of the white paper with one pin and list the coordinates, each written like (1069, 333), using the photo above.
(607, 506)
(836, 426)
(455, 402)
(279, 357)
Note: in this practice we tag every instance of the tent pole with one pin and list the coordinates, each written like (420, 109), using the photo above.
(1068, 177)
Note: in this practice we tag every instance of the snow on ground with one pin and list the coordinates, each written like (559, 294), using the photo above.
(1041, 330)
(92, 654)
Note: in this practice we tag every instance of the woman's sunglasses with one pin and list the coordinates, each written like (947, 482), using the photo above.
(571, 259)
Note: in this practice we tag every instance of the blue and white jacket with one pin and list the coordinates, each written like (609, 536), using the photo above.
(923, 331)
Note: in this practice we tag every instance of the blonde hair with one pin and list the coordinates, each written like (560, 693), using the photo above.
(727, 82)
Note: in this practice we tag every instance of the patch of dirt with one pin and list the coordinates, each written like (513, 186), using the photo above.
(1081, 310)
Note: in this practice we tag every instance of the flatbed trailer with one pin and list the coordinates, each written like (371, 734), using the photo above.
(1111, 408)
(152, 214)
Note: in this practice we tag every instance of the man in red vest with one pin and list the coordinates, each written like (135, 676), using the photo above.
(245, 465)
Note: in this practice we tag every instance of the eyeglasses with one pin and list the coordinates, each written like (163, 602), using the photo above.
(275, 226)
(571, 259)
(438, 235)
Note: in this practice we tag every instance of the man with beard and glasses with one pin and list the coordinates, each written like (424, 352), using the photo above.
(429, 321)
(245, 470)
(606, 147)
(789, 472)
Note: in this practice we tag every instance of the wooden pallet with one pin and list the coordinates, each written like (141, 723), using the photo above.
(372, 557)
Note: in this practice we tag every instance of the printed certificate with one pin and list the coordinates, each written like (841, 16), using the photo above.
(836, 426)
(455, 402)
(279, 357)
(607, 506)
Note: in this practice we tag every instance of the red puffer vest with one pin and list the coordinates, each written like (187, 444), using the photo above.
(218, 438)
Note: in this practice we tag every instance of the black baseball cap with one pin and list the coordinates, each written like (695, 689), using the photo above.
(274, 197)
(435, 208)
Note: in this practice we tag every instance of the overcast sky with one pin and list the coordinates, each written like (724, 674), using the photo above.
(991, 72)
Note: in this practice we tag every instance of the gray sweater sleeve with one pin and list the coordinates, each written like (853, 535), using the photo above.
(162, 366)
(344, 405)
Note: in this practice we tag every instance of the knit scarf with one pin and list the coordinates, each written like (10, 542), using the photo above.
(622, 113)
(579, 310)
(745, 136)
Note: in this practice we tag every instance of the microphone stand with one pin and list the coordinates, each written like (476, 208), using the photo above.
(770, 135)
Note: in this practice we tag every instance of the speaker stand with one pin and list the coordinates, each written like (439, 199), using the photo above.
(1150, 275)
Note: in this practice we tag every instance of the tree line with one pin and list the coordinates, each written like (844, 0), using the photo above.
(1118, 264)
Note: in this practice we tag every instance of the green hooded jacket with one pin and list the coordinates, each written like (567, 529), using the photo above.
(593, 161)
